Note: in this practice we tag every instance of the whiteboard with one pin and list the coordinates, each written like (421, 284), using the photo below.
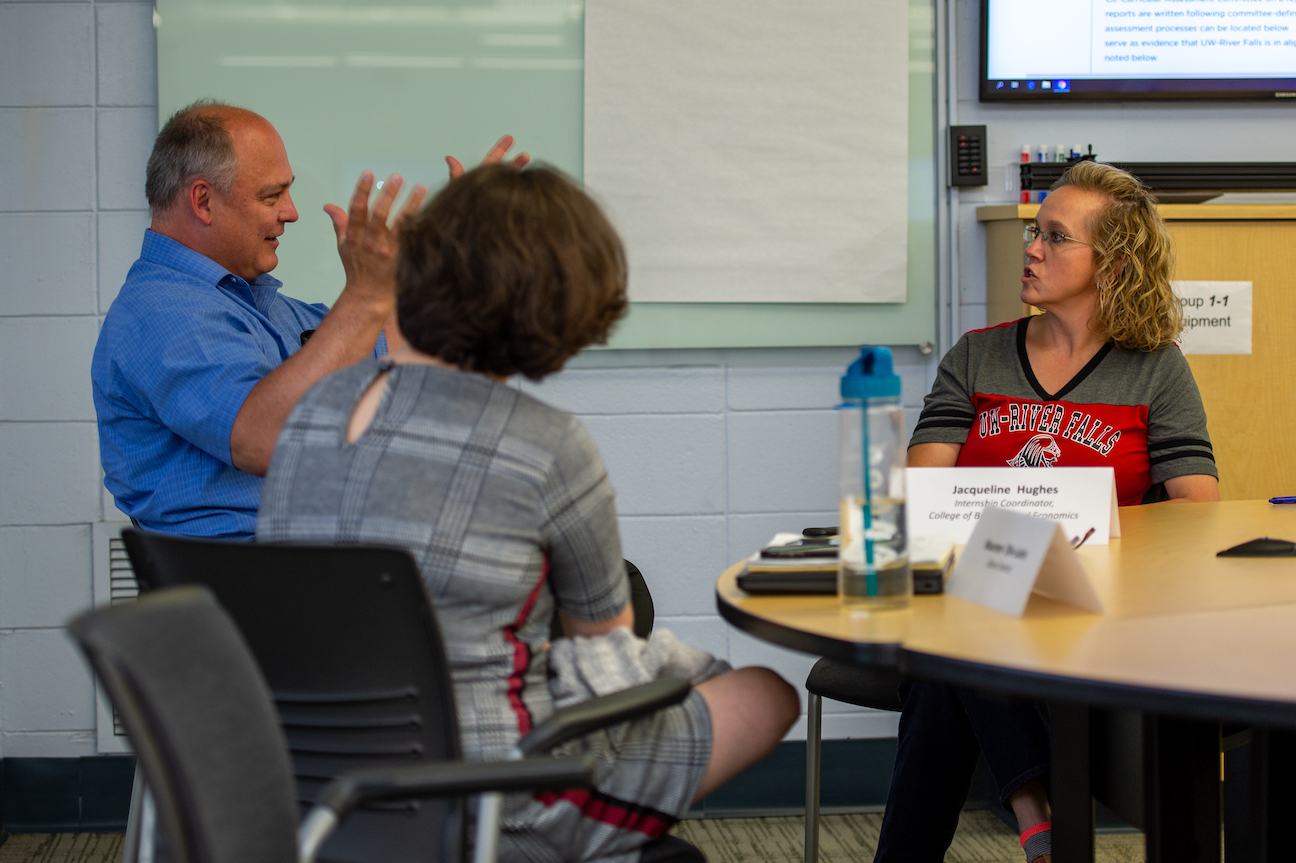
(516, 68)
(383, 85)
(752, 150)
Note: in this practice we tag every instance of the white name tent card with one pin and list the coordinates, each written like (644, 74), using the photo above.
(949, 500)
(1010, 555)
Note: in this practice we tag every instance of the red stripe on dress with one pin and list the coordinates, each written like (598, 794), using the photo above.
(522, 654)
(608, 810)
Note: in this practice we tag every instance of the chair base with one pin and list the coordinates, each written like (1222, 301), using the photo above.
(814, 764)
(866, 687)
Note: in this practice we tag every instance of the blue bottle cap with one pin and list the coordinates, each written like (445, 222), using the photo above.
(871, 376)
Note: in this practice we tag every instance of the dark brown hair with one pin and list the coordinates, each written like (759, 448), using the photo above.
(509, 272)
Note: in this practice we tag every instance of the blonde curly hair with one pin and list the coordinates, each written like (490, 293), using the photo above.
(1134, 257)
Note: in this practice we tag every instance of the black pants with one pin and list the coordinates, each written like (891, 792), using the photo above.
(942, 731)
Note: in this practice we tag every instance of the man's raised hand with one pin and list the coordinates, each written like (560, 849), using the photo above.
(496, 154)
(367, 241)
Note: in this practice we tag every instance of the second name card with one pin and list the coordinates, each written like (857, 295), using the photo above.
(949, 500)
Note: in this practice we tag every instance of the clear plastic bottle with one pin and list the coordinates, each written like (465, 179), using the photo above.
(874, 570)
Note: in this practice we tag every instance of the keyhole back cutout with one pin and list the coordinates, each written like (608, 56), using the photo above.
(366, 407)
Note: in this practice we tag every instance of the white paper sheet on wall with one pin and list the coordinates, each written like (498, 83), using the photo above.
(752, 150)
(1217, 317)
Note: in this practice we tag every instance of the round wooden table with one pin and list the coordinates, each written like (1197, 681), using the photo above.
(1188, 638)
(1185, 631)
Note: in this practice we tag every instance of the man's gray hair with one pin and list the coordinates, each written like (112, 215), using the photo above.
(194, 144)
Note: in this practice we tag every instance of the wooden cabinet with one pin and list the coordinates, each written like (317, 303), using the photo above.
(1250, 399)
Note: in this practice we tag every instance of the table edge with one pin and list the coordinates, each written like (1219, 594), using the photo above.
(886, 653)
(1097, 693)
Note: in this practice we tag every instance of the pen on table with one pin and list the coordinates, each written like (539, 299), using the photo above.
(1282, 500)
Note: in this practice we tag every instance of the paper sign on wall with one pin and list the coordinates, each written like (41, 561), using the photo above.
(1010, 555)
(949, 500)
(1217, 317)
(745, 150)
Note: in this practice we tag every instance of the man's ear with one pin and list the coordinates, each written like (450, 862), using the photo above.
(200, 201)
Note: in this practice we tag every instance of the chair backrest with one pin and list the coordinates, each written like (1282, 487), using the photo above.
(199, 716)
(349, 644)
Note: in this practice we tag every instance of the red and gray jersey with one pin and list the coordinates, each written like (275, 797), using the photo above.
(1137, 412)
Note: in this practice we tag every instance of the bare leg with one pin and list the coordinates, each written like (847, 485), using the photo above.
(1029, 803)
(751, 709)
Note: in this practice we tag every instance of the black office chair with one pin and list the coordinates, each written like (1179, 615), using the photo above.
(852, 684)
(348, 640)
(199, 716)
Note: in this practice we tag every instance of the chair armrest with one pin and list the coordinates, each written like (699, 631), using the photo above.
(603, 711)
(442, 778)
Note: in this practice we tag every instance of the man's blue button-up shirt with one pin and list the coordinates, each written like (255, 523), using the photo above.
(180, 349)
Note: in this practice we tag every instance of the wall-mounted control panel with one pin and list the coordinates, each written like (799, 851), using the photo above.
(967, 156)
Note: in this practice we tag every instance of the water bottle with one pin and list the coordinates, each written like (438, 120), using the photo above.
(874, 569)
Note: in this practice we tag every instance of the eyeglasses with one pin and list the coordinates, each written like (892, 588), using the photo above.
(1053, 239)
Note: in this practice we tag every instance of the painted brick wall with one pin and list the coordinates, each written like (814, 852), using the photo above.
(711, 452)
(77, 110)
(1119, 132)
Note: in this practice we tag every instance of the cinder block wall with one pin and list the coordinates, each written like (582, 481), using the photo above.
(1119, 132)
(711, 451)
(77, 116)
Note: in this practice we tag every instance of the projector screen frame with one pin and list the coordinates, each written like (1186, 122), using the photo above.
(1273, 90)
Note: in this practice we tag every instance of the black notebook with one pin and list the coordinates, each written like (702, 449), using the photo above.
(932, 561)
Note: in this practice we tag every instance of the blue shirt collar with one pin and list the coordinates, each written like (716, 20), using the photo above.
(260, 293)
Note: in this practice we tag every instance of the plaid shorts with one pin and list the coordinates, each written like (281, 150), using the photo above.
(647, 773)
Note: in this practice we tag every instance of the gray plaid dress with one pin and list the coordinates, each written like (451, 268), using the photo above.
(506, 506)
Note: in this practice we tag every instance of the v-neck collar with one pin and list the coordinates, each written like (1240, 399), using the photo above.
(1071, 384)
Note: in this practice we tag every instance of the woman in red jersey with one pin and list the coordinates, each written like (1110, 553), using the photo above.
(1095, 381)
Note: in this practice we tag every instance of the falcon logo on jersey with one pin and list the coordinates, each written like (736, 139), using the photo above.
(1040, 451)
(1057, 434)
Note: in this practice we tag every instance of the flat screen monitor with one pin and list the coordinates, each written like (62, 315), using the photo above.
(1137, 49)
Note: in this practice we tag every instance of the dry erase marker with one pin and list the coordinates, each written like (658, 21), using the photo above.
(1282, 500)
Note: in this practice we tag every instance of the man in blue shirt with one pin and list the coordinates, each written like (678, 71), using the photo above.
(200, 359)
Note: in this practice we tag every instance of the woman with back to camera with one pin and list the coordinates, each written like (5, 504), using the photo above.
(1094, 381)
(506, 506)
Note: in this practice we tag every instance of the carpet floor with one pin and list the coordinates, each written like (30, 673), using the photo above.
(981, 838)
(62, 848)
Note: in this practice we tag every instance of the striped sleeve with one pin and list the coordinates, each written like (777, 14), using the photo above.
(947, 413)
(1178, 442)
(580, 533)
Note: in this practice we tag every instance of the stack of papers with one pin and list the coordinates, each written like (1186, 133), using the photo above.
(930, 556)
